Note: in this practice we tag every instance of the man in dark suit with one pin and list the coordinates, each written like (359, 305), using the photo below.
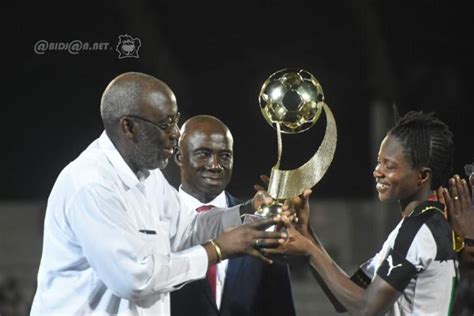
(243, 286)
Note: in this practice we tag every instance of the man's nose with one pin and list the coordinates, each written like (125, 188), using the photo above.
(174, 133)
(214, 163)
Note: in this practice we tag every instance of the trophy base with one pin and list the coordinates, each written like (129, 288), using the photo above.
(269, 211)
(250, 218)
(265, 212)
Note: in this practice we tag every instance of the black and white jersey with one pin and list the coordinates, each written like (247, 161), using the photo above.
(418, 260)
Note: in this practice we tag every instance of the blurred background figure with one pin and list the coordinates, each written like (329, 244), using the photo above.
(460, 206)
(13, 298)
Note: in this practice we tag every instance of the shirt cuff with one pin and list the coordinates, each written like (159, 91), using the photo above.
(197, 256)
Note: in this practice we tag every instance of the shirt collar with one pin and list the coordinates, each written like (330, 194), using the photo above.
(428, 205)
(124, 172)
(192, 203)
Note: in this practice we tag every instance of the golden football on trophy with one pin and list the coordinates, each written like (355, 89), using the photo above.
(291, 101)
(292, 98)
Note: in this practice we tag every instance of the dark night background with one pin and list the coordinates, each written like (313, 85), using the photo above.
(215, 56)
(367, 55)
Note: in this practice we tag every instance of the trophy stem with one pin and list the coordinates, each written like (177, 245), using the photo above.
(279, 144)
(285, 184)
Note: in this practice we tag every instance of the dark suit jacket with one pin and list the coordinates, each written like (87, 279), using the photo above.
(251, 288)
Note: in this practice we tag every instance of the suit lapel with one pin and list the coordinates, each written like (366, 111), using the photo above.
(233, 268)
(231, 200)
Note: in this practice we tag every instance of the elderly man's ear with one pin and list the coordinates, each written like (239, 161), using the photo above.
(177, 157)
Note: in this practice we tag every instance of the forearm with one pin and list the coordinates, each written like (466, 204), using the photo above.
(205, 226)
(466, 261)
(173, 271)
(135, 275)
(310, 234)
(343, 293)
(214, 252)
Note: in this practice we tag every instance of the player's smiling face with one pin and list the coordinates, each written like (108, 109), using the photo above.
(394, 175)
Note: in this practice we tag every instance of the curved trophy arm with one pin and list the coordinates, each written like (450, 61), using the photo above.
(286, 184)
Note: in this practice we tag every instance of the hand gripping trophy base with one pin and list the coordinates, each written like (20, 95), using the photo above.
(266, 212)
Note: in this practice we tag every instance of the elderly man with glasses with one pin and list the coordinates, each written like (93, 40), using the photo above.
(116, 239)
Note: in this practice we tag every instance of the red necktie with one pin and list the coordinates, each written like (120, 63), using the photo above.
(212, 271)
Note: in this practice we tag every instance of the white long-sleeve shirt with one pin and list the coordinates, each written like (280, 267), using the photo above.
(115, 243)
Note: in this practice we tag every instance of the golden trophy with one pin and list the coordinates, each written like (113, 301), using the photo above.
(291, 101)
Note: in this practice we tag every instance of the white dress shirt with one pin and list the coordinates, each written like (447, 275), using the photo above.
(116, 242)
(191, 203)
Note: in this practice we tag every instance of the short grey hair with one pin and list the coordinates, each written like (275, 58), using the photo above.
(123, 96)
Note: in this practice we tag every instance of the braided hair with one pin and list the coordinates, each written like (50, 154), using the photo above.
(428, 142)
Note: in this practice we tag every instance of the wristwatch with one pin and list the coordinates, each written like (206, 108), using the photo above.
(468, 242)
(460, 242)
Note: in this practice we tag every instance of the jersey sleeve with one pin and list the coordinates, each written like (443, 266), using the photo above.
(413, 251)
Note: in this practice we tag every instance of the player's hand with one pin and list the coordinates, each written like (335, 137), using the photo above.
(249, 239)
(296, 244)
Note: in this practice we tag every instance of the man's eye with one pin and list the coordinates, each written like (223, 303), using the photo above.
(202, 154)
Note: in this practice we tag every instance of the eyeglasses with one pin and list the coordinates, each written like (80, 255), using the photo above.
(166, 127)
